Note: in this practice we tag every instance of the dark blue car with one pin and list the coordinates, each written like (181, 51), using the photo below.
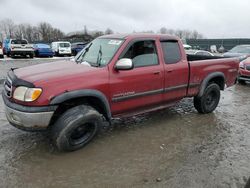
(43, 50)
(77, 47)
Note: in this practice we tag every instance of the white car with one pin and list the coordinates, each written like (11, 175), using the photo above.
(1, 50)
(61, 48)
(199, 52)
(187, 47)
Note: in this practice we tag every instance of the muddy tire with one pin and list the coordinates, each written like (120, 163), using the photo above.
(208, 102)
(76, 128)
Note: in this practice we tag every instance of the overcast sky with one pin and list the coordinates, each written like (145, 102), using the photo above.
(212, 18)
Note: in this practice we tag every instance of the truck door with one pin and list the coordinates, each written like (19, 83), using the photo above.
(176, 70)
(142, 86)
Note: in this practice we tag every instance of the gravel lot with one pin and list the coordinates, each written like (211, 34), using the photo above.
(176, 147)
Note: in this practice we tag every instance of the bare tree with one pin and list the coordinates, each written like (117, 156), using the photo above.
(7, 27)
(85, 30)
(182, 33)
(108, 31)
(196, 35)
(19, 31)
(179, 33)
(163, 30)
(96, 34)
(48, 33)
(45, 30)
(56, 34)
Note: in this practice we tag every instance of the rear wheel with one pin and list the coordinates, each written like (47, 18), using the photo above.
(208, 102)
(76, 128)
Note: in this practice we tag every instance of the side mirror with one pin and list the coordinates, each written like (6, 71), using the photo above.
(124, 64)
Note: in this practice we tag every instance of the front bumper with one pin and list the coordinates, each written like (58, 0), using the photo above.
(22, 52)
(244, 75)
(64, 52)
(28, 118)
(45, 54)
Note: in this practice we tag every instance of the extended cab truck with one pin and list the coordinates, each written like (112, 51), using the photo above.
(114, 76)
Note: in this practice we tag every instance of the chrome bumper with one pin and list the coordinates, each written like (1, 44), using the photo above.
(28, 121)
(244, 78)
(28, 118)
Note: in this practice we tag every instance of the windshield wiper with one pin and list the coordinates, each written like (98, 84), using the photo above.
(99, 57)
(82, 56)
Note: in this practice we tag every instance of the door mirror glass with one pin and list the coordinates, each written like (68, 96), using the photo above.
(124, 64)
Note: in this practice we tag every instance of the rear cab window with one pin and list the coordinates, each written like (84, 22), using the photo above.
(171, 51)
(19, 42)
(142, 53)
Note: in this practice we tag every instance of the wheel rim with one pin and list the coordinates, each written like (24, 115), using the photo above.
(82, 133)
(211, 99)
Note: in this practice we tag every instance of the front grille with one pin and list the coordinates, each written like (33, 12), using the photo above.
(8, 87)
(248, 67)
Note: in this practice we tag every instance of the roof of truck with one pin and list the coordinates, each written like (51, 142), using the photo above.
(139, 35)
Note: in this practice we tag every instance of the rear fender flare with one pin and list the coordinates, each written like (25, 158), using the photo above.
(208, 79)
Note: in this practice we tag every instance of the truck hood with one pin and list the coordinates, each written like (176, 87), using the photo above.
(53, 71)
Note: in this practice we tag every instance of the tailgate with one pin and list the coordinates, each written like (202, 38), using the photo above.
(22, 47)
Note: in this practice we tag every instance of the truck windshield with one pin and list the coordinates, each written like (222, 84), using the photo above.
(99, 52)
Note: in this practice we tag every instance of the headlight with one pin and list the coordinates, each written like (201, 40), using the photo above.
(242, 65)
(22, 93)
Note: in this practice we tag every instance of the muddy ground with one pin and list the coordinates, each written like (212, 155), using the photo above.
(176, 147)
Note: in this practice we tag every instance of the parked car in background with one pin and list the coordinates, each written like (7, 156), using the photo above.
(1, 50)
(43, 50)
(242, 51)
(77, 47)
(61, 48)
(19, 47)
(244, 71)
(199, 52)
(187, 47)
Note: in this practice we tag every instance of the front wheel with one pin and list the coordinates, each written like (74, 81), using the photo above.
(208, 102)
(76, 128)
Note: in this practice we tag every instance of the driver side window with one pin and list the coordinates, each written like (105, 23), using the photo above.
(142, 53)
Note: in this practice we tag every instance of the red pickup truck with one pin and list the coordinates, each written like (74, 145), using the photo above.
(114, 76)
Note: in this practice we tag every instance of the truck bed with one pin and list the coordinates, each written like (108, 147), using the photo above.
(200, 69)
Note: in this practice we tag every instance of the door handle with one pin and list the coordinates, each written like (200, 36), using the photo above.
(157, 72)
(170, 70)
